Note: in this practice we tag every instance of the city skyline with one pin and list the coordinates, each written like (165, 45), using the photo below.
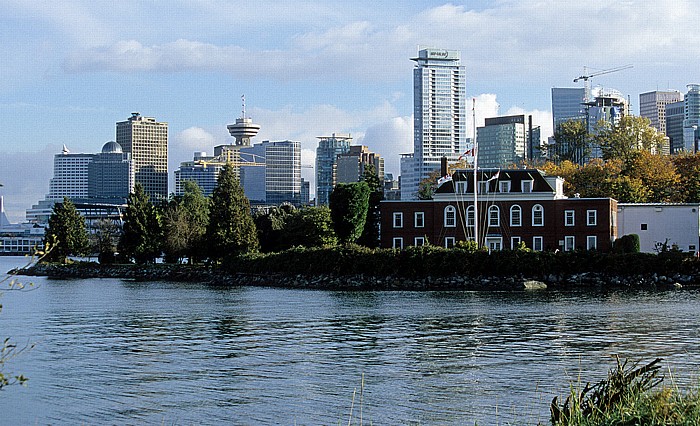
(71, 70)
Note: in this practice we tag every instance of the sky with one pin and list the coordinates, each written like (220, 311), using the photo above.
(70, 70)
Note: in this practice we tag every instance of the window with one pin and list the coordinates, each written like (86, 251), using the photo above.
(516, 215)
(461, 187)
(644, 227)
(449, 242)
(450, 217)
(494, 216)
(419, 241)
(537, 215)
(537, 244)
(419, 219)
(569, 218)
(526, 185)
(569, 243)
(514, 242)
(397, 243)
(591, 242)
(504, 186)
(494, 243)
(398, 220)
(483, 187)
(470, 216)
(591, 217)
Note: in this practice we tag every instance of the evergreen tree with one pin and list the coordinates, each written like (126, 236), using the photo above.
(66, 234)
(231, 230)
(185, 222)
(370, 233)
(141, 237)
(270, 224)
(308, 227)
(349, 203)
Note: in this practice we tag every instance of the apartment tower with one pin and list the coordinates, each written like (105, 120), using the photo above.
(147, 141)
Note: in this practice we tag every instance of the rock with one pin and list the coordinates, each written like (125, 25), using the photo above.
(533, 285)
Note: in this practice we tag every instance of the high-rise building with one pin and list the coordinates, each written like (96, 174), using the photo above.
(351, 165)
(439, 109)
(691, 119)
(675, 113)
(568, 104)
(147, 141)
(502, 141)
(283, 172)
(329, 148)
(111, 173)
(70, 176)
(652, 105)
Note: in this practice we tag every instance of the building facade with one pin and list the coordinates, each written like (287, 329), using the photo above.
(691, 118)
(652, 105)
(439, 110)
(329, 148)
(111, 173)
(146, 140)
(283, 172)
(502, 141)
(568, 104)
(513, 207)
(70, 175)
(677, 226)
(675, 114)
(351, 165)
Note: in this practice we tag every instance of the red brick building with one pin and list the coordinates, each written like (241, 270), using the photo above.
(513, 206)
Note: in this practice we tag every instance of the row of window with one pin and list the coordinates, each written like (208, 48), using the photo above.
(496, 243)
(494, 217)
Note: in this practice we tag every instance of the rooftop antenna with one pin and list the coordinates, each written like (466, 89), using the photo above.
(243, 102)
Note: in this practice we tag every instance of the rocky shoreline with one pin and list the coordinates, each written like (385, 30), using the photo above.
(219, 276)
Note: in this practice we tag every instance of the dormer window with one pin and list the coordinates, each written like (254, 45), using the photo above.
(526, 185)
(504, 186)
(483, 187)
(461, 187)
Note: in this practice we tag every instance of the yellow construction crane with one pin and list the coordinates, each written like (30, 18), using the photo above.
(586, 77)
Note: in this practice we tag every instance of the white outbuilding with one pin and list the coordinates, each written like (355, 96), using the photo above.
(659, 224)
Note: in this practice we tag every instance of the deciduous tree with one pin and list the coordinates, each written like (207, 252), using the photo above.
(142, 232)
(370, 233)
(349, 203)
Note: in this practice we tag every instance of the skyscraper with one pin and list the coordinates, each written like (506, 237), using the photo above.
(147, 141)
(111, 173)
(70, 176)
(329, 147)
(502, 141)
(691, 119)
(652, 105)
(351, 165)
(675, 113)
(439, 108)
(568, 104)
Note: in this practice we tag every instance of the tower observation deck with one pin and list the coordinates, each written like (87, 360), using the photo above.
(243, 129)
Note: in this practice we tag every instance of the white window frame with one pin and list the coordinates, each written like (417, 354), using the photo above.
(419, 241)
(397, 243)
(483, 187)
(569, 218)
(538, 243)
(494, 243)
(526, 184)
(538, 208)
(592, 217)
(494, 221)
(461, 187)
(450, 222)
(514, 242)
(450, 242)
(398, 220)
(504, 186)
(470, 217)
(591, 242)
(419, 219)
(513, 222)
(569, 243)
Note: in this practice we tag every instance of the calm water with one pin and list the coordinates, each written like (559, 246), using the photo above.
(118, 352)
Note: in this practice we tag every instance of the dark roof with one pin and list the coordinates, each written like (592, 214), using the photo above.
(515, 176)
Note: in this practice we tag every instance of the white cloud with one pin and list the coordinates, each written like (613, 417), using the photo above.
(390, 139)
(25, 177)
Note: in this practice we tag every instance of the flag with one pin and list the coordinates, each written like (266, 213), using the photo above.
(470, 152)
(494, 177)
(444, 179)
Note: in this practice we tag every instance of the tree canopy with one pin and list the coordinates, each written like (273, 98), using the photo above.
(185, 222)
(370, 233)
(142, 233)
(231, 230)
(66, 234)
(349, 203)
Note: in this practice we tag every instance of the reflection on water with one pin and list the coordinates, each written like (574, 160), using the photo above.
(112, 351)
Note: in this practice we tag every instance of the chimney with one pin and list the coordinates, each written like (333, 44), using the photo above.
(443, 166)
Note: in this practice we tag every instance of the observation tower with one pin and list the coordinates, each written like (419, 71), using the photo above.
(243, 129)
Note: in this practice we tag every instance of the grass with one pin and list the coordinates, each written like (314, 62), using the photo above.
(630, 395)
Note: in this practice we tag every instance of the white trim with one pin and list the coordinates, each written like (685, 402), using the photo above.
(453, 220)
(536, 239)
(419, 241)
(593, 222)
(422, 219)
(399, 216)
(591, 239)
(569, 243)
(514, 241)
(569, 217)
(449, 242)
(516, 207)
(397, 243)
(541, 208)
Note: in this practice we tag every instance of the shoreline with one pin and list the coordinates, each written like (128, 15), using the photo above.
(362, 282)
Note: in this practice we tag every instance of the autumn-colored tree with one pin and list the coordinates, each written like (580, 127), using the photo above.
(658, 175)
(688, 169)
(624, 139)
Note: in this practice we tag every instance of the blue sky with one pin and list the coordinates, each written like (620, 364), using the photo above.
(70, 70)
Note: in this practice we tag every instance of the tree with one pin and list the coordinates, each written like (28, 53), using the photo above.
(142, 232)
(427, 186)
(627, 137)
(572, 142)
(231, 230)
(66, 233)
(270, 224)
(185, 222)
(106, 239)
(348, 204)
(370, 233)
(688, 169)
(658, 175)
(308, 227)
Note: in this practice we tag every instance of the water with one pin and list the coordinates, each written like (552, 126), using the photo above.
(118, 352)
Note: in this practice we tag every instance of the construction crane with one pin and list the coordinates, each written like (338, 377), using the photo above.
(586, 77)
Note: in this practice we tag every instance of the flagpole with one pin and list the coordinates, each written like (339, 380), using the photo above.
(476, 154)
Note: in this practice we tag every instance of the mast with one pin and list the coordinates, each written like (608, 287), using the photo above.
(476, 154)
